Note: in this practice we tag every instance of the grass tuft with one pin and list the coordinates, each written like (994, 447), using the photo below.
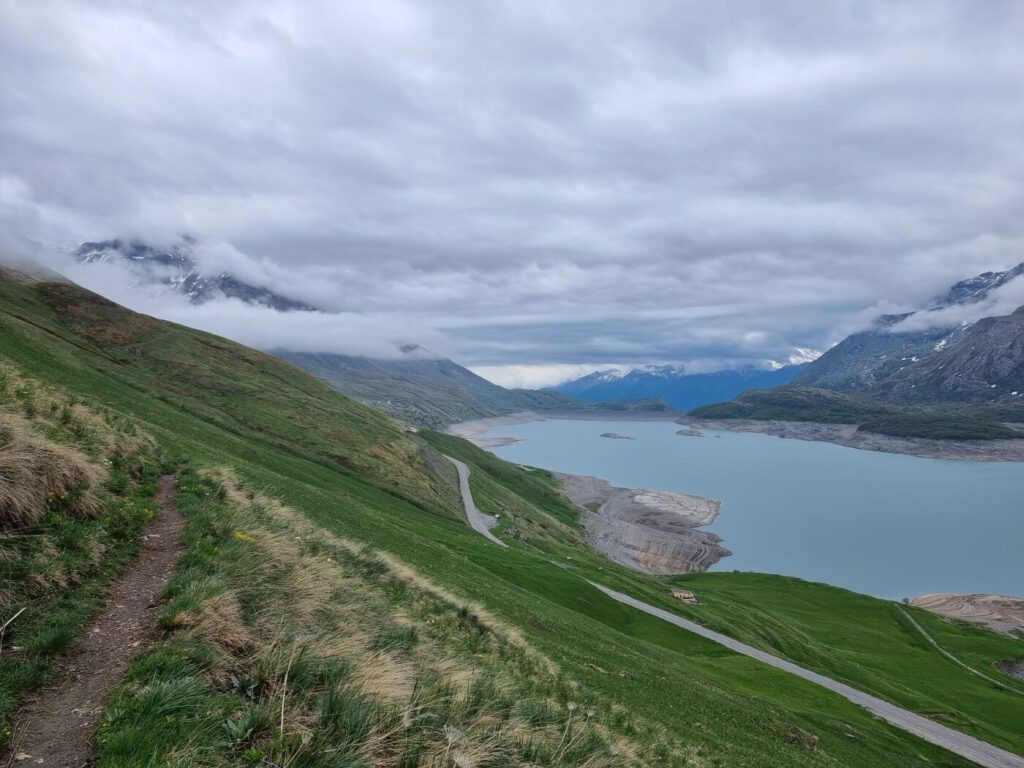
(338, 666)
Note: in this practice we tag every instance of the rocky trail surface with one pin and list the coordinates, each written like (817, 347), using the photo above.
(55, 727)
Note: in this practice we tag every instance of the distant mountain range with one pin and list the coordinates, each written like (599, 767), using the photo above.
(176, 269)
(417, 387)
(675, 385)
(945, 362)
(979, 362)
(959, 380)
(435, 392)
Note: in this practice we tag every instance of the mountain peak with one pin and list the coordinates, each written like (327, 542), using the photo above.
(174, 267)
(950, 358)
(975, 289)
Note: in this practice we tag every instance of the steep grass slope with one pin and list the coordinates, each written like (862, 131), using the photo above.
(354, 476)
(75, 488)
(869, 644)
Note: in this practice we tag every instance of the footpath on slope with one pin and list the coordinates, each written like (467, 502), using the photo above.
(935, 644)
(55, 727)
(969, 747)
(480, 522)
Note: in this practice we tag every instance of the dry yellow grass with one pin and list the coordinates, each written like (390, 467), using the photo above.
(386, 675)
(322, 607)
(52, 449)
(397, 568)
(55, 411)
(34, 471)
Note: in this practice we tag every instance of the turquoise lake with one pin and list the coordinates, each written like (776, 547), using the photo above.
(889, 525)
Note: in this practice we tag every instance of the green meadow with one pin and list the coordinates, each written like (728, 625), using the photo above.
(349, 476)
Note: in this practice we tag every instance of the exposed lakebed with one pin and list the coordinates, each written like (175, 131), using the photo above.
(885, 524)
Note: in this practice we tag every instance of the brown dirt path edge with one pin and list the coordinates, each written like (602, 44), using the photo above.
(55, 727)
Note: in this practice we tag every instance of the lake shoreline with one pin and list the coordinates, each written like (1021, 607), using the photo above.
(849, 436)
(868, 520)
(475, 430)
(1000, 613)
(650, 531)
(846, 435)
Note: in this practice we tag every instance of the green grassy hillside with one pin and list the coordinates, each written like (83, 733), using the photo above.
(869, 644)
(313, 477)
(75, 487)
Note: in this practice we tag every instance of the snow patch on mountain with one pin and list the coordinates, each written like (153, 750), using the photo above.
(990, 294)
(176, 268)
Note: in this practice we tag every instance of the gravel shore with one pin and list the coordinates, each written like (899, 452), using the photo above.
(650, 531)
(849, 436)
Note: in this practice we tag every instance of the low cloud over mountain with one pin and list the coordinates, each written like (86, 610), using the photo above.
(525, 184)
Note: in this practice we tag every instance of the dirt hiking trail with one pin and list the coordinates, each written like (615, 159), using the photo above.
(55, 727)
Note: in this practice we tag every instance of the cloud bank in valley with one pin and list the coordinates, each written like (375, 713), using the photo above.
(525, 185)
(377, 335)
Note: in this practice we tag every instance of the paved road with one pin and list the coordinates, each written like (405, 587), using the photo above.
(480, 522)
(966, 746)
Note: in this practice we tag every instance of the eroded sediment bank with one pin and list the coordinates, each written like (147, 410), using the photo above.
(651, 531)
(998, 612)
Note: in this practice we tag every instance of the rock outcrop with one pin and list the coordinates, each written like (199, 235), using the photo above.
(934, 355)
(651, 531)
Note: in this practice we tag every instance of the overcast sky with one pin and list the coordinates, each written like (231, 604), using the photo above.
(533, 188)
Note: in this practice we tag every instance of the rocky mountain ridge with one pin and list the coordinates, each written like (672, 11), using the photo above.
(943, 361)
(176, 268)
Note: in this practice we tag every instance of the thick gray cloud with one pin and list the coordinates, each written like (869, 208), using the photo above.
(529, 183)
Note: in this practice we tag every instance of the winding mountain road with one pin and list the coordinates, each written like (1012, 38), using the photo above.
(973, 749)
(480, 522)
